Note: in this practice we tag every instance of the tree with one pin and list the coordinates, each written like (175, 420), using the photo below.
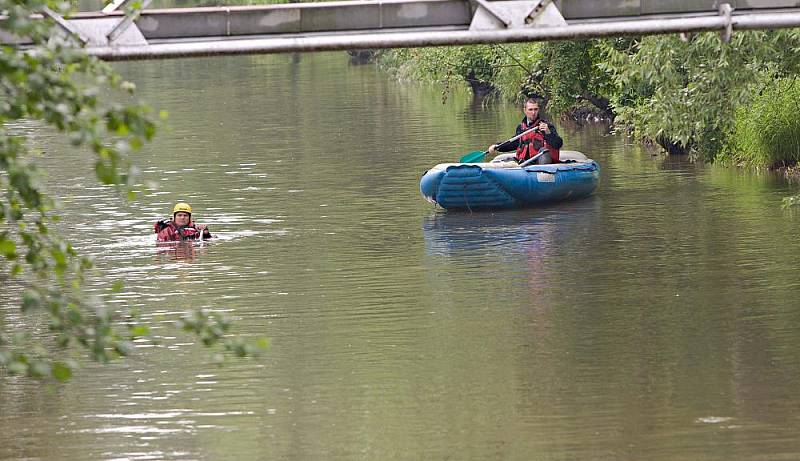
(682, 93)
(565, 74)
(53, 81)
(570, 75)
(475, 65)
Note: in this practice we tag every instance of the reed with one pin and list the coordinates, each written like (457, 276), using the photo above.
(766, 133)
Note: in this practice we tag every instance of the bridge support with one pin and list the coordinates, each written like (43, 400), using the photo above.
(101, 32)
(725, 11)
(513, 14)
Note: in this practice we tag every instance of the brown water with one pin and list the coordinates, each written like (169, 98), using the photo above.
(655, 320)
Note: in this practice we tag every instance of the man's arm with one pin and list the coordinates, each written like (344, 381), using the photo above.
(204, 232)
(553, 138)
(166, 235)
(511, 146)
(161, 224)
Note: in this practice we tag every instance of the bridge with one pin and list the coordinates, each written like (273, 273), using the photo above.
(119, 32)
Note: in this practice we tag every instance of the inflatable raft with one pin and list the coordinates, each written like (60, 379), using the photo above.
(502, 183)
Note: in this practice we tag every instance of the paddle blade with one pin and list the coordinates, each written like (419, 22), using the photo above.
(473, 157)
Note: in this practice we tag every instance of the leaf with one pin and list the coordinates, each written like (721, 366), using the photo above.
(31, 300)
(139, 330)
(17, 367)
(61, 371)
(105, 173)
(124, 348)
(8, 249)
(39, 369)
(117, 286)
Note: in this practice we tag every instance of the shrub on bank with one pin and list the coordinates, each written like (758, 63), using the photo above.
(767, 131)
(563, 73)
(474, 65)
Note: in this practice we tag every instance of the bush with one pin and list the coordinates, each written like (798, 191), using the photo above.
(767, 131)
(474, 65)
(683, 94)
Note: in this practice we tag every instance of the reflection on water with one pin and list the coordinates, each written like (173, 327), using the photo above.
(180, 251)
(509, 232)
(654, 320)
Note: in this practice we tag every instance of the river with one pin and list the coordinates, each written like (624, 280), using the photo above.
(657, 319)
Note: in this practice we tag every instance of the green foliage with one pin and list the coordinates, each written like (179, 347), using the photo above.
(767, 131)
(565, 73)
(474, 65)
(679, 93)
(570, 74)
(56, 83)
(212, 327)
(518, 74)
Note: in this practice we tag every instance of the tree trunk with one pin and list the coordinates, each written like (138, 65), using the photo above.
(671, 147)
(600, 102)
(480, 88)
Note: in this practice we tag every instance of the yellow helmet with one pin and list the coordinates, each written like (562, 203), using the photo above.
(181, 206)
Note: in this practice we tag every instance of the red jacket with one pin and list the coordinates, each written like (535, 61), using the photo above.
(530, 143)
(168, 232)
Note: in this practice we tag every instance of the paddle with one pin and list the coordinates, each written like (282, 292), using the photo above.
(477, 155)
(533, 159)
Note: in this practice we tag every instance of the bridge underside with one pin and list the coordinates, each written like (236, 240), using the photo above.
(168, 33)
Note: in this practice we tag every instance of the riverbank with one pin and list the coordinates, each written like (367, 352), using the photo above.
(681, 95)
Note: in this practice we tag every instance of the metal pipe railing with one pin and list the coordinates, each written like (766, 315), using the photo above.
(747, 21)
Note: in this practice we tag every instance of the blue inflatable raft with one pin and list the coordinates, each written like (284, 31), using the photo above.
(502, 183)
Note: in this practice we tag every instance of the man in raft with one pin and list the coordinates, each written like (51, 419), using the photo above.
(180, 227)
(544, 135)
